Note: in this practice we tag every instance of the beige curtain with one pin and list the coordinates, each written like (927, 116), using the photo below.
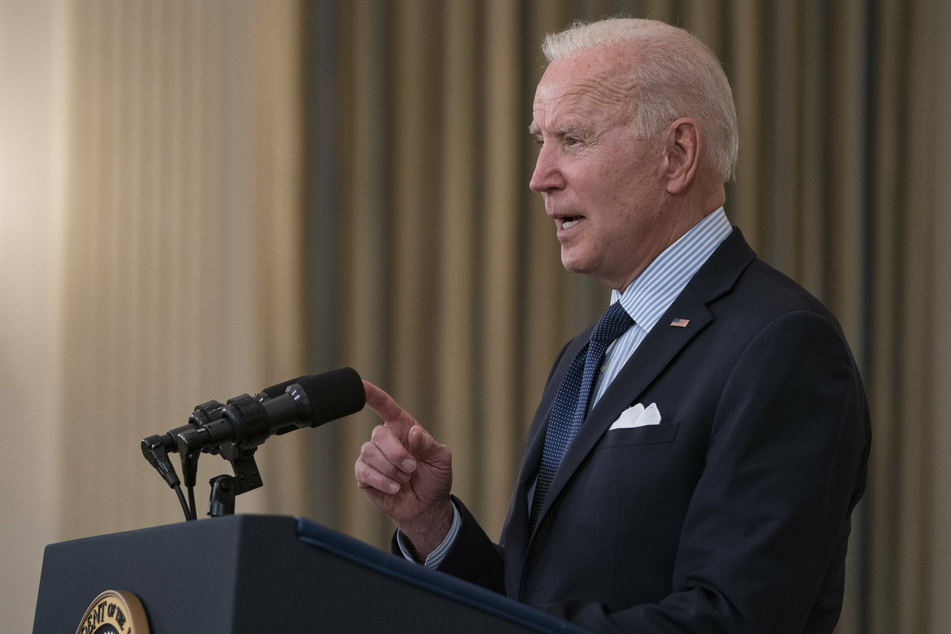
(182, 250)
(152, 240)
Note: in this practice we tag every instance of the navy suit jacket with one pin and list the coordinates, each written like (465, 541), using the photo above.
(732, 514)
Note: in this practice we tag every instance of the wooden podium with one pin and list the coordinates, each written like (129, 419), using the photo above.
(262, 574)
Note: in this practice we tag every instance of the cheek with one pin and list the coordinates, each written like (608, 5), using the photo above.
(606, 186)
(637, 187)
(621, 197)
(621, 178)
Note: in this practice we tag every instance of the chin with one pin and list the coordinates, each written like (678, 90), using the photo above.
(573, 265)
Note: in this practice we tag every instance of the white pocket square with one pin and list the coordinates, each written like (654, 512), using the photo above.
(637, 416)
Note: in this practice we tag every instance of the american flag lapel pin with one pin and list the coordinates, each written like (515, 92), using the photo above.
(680, 323)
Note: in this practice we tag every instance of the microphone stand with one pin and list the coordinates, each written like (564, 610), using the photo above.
(221, 499)
(246, 477)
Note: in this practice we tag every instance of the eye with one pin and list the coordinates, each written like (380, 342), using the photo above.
(569, 141)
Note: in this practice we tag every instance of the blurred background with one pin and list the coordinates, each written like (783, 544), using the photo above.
(200, 198)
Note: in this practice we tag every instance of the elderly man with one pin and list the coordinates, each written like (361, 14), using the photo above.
(697, 454)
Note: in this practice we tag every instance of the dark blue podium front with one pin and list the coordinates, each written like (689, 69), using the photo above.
(258, 573)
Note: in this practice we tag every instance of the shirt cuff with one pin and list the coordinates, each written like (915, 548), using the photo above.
(435, 558)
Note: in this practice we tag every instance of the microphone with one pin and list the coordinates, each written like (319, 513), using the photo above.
(156, 448)
(236, 429)
(322, 398)
(308, 401)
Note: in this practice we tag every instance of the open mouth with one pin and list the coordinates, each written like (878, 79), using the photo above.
(568, 223)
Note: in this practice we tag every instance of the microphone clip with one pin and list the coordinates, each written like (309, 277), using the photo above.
(238, 430)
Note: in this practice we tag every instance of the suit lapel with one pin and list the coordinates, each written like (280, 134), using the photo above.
(515, 535)
(653, 355)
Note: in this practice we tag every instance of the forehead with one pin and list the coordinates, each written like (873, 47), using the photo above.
(589, 84)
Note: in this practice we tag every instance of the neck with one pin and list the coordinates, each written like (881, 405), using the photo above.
(688, 213)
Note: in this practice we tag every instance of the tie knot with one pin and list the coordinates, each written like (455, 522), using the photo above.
(613, 323)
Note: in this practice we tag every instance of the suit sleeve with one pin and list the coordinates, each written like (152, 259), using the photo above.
(473, 556)
(767, 526)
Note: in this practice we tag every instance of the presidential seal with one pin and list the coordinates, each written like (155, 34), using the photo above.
(114, 612)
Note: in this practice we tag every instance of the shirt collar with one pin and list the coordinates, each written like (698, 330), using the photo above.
(649, 296)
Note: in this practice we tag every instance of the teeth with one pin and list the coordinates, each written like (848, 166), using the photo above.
(568, 224)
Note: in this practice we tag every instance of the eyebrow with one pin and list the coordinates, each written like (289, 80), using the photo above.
(565, 130)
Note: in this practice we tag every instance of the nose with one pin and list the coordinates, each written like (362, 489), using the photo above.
(547, 176)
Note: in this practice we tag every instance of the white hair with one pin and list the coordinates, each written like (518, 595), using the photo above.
(675, 75)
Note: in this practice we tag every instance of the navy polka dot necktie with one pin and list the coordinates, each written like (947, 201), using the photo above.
(571, 402)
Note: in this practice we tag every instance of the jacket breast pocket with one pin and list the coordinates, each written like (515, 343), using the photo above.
(646, 435)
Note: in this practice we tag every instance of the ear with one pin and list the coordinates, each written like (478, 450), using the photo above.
(681, 154)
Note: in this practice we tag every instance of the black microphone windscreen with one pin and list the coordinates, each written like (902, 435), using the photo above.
(333, 394)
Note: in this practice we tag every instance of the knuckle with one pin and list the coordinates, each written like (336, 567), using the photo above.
(378, 433)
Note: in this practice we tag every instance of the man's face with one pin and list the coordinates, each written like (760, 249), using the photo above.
(603, 186)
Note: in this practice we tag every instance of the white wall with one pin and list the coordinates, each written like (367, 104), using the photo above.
(31, 214)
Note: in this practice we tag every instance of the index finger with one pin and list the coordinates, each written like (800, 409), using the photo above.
(388, 409)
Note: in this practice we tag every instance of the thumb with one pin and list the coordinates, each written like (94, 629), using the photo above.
(423, 445)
